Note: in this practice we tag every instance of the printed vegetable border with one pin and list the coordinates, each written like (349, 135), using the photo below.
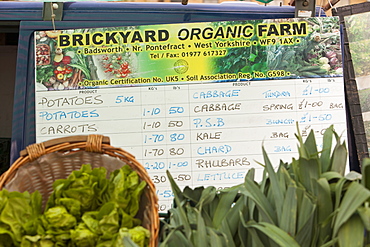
(178, 53)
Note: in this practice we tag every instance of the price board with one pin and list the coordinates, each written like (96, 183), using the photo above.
(197, 99)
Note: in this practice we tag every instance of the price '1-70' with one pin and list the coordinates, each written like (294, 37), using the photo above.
(157, 152)
(153, 138)
(154, 152)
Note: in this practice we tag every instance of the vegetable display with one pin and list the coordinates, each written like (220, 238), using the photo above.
(316, 54)
(65, 68)
(243, 59)
(306, 202)
(59, 69)
(86, 209)
(358, 37)
(116, 65)
(42, 54)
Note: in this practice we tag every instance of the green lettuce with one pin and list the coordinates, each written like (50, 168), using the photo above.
(6, 237)
(82, 236)
(127, 189)
(86, 209)
(87, 187)
(19, 216)
(139, 236)
(58, 219)
(36, 241)
(90, 221)
(108, 218)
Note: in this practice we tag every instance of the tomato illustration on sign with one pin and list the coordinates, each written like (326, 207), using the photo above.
(114, 65)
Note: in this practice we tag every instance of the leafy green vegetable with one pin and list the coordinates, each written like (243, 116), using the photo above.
(86, 188)
(86, 209)
(127, 189)
(82, 236)
(35, 241)
(19, 216)
(43, 73)
(139, 235)
(58, 219)
(307, 202)
(108, 217)
(242, 59)
(6, 237)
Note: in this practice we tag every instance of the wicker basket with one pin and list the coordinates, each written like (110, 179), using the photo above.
(41, 164)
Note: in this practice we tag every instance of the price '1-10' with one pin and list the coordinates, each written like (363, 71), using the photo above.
(156, 111)
(157, 124)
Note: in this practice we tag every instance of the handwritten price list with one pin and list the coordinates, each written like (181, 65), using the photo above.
(203, 133)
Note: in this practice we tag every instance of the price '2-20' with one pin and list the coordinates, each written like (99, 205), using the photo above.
(160, 165)
(155, 165)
